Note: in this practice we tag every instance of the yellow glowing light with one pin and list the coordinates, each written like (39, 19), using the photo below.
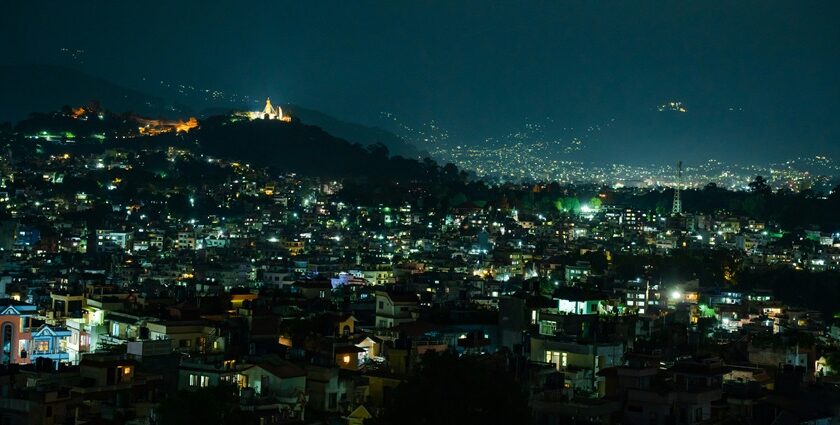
(186, 126)
(153, 127)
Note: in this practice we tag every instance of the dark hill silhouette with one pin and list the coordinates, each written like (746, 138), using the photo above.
(352, 132)
(284, 146)
(29, 88)
(308, 150)
(355, 133)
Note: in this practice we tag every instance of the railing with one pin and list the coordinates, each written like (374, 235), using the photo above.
(429, 341)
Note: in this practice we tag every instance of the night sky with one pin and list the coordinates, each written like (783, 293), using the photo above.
(760, 79)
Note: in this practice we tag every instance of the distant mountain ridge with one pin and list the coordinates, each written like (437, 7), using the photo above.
(282, 146)
(356, 133)
(30, 88)
(42, 88)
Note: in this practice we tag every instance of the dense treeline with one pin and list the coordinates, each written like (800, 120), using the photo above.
(815, 290)
(788, 209)
(445, 388)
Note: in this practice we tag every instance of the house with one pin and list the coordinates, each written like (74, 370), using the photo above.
(579, 361)
(34, 403)
(108, 380)
(687, 398)
(349, 357)
(358, 416)
(112, 240)
(313, 289)
(64, 305)
(187, 336)
(371, 345)
(393, 309)
(50, 342)
(331, 389)
(16, 324)
(381, 387)
(197, 372)
(276, 387)
(580, 271)
(275, 377)
(345, 325)
(576, 301)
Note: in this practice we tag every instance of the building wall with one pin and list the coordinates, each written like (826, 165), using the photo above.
(276, 385)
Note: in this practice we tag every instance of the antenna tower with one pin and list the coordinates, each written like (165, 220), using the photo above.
(677, 207)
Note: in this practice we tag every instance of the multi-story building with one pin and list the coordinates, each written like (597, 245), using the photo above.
(112, 240)
(16, 327)
(393, 309)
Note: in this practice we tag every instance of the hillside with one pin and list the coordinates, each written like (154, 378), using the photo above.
(28, 88)
(349, 131)
(305, 149)
(355, 133)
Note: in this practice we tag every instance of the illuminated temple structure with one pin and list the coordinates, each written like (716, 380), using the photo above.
(270, 112)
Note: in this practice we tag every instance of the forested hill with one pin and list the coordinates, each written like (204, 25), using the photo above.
(309, 150)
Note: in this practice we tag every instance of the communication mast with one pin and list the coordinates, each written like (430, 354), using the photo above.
(677, 207)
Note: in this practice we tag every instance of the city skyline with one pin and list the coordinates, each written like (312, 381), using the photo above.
(583, 212)
(755, 83)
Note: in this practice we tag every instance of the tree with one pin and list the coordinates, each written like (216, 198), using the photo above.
(755, 206)
(211, 405)
(759, 185)
(571, 204)
(466, 390)
(378, 150)
(834, 363)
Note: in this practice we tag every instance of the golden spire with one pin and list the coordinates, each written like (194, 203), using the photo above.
(268, 108)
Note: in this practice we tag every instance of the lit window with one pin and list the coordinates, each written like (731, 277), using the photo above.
(559, 359)
(346, 359)
(548, 327)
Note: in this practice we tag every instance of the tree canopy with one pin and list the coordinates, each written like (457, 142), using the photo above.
(464, 390)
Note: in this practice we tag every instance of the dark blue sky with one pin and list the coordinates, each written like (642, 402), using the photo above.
(482, 68)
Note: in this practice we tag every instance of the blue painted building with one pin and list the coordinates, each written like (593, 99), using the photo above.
(50, 342)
